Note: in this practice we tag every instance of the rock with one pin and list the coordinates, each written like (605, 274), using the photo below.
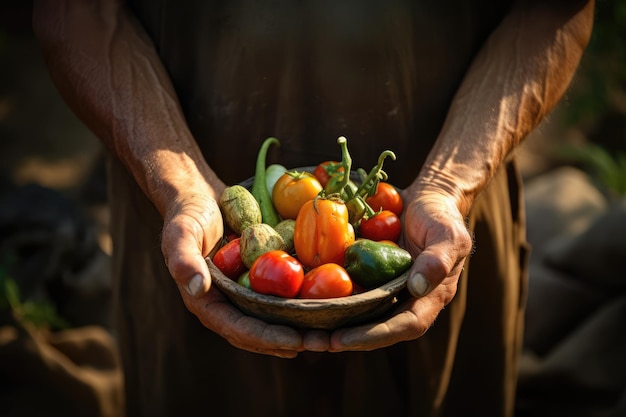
(50, 248)
(585, 374)
(596, 255)
(574, 340)
(555, 307)
(560, 204)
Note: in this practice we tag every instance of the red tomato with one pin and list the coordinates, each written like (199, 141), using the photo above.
(325, 170)
(326, 281)
(386, 198)
(384, 225)
(228, 259)
(276, 273)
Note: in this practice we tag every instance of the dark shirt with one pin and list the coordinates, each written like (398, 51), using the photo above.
(381, 73)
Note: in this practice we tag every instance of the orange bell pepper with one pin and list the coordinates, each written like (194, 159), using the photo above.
(322, 232)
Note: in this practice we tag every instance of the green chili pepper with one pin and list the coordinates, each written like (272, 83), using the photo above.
(259, 186)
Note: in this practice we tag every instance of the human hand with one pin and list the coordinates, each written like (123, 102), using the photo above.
(437, 237)
(192, 228)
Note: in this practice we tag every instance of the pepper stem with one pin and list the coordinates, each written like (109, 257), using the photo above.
(370, 183)
(346, 162)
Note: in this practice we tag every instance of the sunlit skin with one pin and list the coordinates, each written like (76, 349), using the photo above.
(105, 66)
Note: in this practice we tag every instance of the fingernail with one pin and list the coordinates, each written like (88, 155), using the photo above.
(418, 285)
(195, 285)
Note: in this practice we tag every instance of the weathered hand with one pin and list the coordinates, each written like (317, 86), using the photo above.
(436, 235)
(191, 231)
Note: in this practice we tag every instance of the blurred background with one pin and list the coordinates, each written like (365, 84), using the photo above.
(57, 350)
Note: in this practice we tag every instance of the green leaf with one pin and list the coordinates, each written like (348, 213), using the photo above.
(609, 170)
(38, 313)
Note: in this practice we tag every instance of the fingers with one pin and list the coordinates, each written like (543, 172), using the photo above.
(316, 341)
(187, 265)
(242, 331)
(189, 235)
(411, 320)
(411, 323)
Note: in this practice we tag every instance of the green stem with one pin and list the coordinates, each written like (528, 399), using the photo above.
(370, 183)
(346, 162)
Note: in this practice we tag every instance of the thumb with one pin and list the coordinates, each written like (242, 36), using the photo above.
(431, 267)
(182, 251)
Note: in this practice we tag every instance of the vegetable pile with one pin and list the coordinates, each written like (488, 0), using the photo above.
(319, 234)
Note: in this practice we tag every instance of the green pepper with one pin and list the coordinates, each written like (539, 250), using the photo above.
(372, 264)
(259, 186)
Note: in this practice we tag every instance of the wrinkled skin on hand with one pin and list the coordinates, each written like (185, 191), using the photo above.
(436, 235)
(191, 231)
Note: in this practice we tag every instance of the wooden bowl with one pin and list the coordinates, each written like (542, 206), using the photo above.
(325, 314)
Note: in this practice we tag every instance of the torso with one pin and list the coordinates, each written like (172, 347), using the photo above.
(381, 73)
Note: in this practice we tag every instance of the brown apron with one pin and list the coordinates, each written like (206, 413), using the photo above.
(382, 74)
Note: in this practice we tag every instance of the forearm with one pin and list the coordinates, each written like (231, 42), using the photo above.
(107, 70)
(516, 80)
